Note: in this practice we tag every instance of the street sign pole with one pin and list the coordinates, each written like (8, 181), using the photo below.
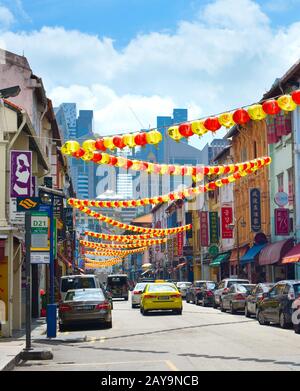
(51, 256)
(28, 279)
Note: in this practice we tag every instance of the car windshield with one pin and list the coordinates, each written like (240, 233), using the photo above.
(162, 288)
(245, 288)
(77, 283)
(140, 286)
(297, 289)
(85, 296)
(184, 284)
(211, 285)
(198, 284)
(230, 283)
(118, 280)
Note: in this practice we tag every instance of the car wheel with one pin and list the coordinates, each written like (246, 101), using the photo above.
(282, 321)
(61, 327)
(215, 305)
(187, 299)
(222, 307)
(204, 304)
(232, 310)
(297, 328)
(197, 301)
(145, 312)
(178, 312)
(261, 319)
(133, 305)
(247, 313)
(108, 325)
(126, 298)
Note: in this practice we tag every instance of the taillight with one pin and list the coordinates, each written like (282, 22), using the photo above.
(197, 289)
(65, 308)
(137, 292)
(239, 296)
(209, 293)
(225, 290)
(291, 296)
(103, 306)
(149, 296)
(176, 295)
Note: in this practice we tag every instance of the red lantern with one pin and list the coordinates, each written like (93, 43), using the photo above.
(212, 186)
(113, 160)
(78, 154)
(212, 124)
(206, 170)
(97, 156)
(241, 116)
(271, 107)
(99, 144)
(185, 130)
(118, 142)
(296, 96)
(225, 181)
(141, 139)
(128, 164)
(226, 170)
(171, 169)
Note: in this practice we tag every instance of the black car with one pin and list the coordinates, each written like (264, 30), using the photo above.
(255, 297)
(205, 296)
(277, 305)
(192, 291)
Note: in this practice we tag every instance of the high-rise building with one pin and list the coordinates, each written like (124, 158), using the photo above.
(84, 124)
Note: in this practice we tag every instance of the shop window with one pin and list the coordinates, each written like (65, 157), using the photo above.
(290, 186)
(280, 182)
(2, 250)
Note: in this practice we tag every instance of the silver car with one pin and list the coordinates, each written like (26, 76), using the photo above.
(136, 294)
(83, 306)
(183, 286)
(224, 287)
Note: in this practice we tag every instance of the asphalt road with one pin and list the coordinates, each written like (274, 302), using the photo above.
(200, 339)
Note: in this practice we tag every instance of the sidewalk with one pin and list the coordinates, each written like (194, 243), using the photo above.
(10, 348)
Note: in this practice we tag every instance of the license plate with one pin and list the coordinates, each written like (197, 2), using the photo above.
(85, 308)
(163, 298)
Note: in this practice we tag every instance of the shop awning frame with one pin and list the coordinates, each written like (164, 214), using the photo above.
(221, 258)
(274, 252)
(293, 256)
(253, 251)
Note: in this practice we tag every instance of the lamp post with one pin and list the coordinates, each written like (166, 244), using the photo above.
(236, 224)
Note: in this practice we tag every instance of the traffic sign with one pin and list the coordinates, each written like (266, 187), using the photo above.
(281, 198)
(213, 250)
(40, 258)
(39, 231)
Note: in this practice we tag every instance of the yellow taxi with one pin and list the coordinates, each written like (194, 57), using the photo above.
(161, 296)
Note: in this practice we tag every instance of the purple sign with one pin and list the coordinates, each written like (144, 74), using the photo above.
(282, 226)
(20, 173)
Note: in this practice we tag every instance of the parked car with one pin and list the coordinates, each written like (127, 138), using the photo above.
(235, 298)
(183, 286)
(205, 296)
(77, 282)
(136, 294)
(192, 291)
(223, 288)
(82, 306)
(255, 297)
(277, 304)
(161, 296)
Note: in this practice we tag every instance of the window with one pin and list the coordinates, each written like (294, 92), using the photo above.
(280, 182)
(254, 150)
(290, 186)
(243, 154)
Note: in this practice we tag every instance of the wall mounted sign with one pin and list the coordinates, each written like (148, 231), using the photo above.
(203, 229)
(226, 220)
(282, 222)
(255, 209)
(281, 198)
(213, 227)
(20, 173)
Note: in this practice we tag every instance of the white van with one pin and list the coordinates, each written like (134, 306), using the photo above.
(77, 282)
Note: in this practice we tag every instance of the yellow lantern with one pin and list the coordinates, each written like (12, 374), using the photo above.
(177, 170)
(189, 170)
(219, 183)
(256, 112)
(231, 179)
(121, 161)
(89, 145)
(198, 128)
(154, 137)
(286, 103)
(150, 167)
(164, 169)
(108, 143)
(173, 132)
(128, 140)
(87, 156)
(226, 120)
(105, 158)
(70, 147)
(136, 165)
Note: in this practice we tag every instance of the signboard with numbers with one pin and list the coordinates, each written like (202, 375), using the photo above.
(39, 231)
(255, 209)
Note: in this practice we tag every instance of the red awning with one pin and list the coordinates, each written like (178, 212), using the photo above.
(293, 255)
(274, 252)
(234, 258)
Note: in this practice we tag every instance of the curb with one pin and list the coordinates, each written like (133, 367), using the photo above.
(12, 363)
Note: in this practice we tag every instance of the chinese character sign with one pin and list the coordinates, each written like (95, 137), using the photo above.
(203, 229)
(180, 243)
(226, 219)
(282, 226)
(255, 210)
(20, 173)
(213, 227)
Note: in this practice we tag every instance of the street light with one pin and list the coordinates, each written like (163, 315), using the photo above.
(236, 225)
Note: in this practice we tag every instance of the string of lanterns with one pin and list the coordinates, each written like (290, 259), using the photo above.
(249, 168)
(120, 238)
(138, 243)
(255, 112)
(114, 246)
(122, 253)
(93, 264)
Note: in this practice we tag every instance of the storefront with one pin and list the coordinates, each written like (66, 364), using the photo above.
(234, 261)
(270, 257)
(249, 264)
(219, 267)
(292, 261)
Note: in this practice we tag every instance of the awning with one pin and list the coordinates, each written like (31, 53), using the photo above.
(274, 252)
(223, 257)
(293, 255)
(234, 254)
(180, 265)
(252, 253)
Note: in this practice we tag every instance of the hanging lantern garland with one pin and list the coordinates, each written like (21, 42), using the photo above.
(137, 244)
(244, 170)
(121, 238)
(255, 112)
(122, 253)
(93, 264)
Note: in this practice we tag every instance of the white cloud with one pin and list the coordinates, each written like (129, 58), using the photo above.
(229, 55)
(6, 18)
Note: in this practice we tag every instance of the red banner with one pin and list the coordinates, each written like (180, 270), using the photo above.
(226, 219)
(282, 222)
(204, 240)
(180, 243)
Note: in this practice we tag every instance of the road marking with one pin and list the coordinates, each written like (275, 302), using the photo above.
(171, 365)
(119, 362)
(92, 339)
(102, 339)
(66, 332)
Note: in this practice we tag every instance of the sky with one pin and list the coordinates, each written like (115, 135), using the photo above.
(131, 60)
